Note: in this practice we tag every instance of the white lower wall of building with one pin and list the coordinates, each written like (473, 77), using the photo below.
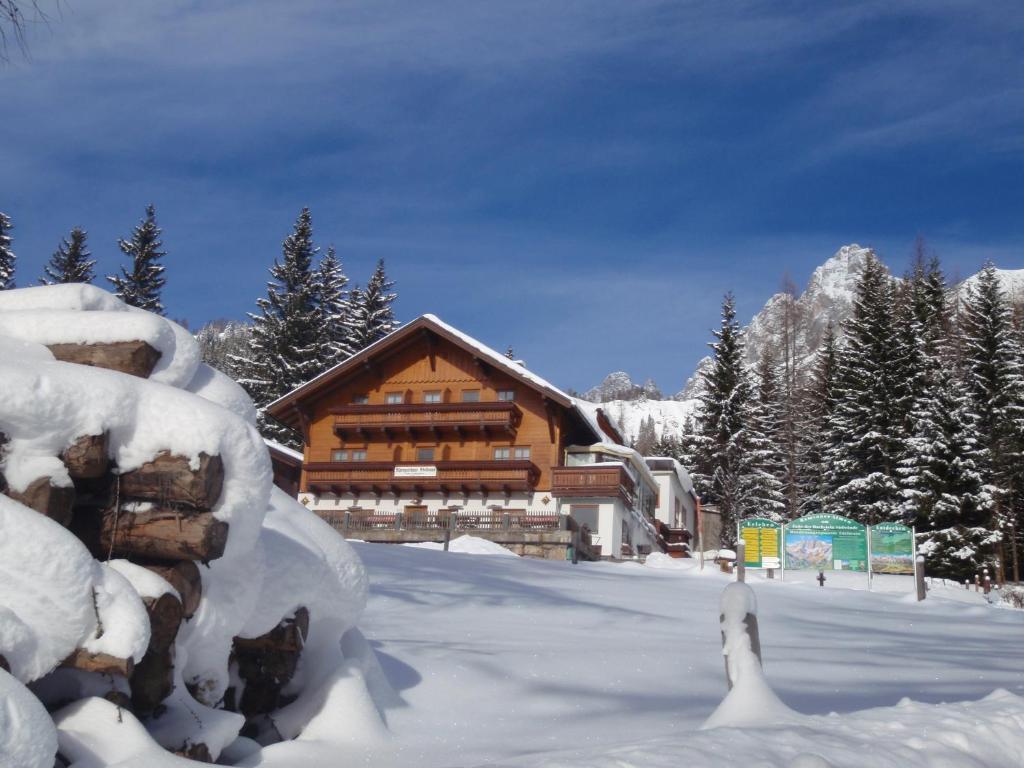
(538, 501)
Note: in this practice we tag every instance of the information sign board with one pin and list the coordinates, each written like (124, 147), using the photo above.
(892, 549)
(763, 539)
(826, 542)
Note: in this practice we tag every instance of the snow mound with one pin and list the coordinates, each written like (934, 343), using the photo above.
(27, 736)
(467, 545)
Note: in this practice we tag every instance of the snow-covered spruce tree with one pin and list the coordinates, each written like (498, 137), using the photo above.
(945, 496)
(866, 427)
(722, 461)
(7, 257)
(764, 460)
(992, 361)
(140, 286)
(819, 401)
(332, 296)
(287, 332)
(370, 314)
(70, 263)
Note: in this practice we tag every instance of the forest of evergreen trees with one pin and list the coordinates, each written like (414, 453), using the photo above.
(309, 320)
(914, 413)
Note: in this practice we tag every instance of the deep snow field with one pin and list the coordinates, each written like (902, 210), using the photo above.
(517, 661)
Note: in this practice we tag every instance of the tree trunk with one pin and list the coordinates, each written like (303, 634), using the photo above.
(169, 480)
(164, 534)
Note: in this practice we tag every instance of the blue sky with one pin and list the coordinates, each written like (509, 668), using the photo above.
(582, 180)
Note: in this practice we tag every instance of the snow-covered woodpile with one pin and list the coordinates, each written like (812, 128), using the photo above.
(157, 595)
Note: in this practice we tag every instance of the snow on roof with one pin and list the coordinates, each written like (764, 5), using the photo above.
(680, 471)
(290, 452)
(629, 454)
(587, 411)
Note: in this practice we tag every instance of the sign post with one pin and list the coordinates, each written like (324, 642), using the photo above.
(826, 542)
(762, 543)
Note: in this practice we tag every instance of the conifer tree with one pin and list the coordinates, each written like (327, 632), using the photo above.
(7, 257)
(995, 383)
(725, 400)
(370, 314)
(764, 461)
(815, 437)
(287, 333)
(945, 496)
(867, 424)
(140, 286)
(334, 304)
(70, 263)
(646, 438)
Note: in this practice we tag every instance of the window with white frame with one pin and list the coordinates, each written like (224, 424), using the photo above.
(339, 455)
(522, 453)
(471, 395)
(506, 395)
(502, 454)
(360, 399)
(359, 454)
(424, 454)
(432, 397)
(394, 398)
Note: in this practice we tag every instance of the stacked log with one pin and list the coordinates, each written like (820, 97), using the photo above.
(135, 357)
(153, 679)
(267, 663)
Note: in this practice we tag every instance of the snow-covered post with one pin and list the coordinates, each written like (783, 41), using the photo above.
(740, 635)
(741, 561)
(922, 590)
(986, 580)
(750, 700)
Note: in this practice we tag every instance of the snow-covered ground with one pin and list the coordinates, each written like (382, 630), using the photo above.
(512, 661)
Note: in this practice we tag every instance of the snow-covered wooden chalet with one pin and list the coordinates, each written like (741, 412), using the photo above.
(429, 433)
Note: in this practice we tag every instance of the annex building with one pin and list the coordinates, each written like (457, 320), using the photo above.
(428, 433)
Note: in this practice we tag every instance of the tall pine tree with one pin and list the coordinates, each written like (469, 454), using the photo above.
(370, 314)
(7, 257)
(333, 300)
(995, 382)
(815, 437)
(70, 263)
(288, 332)
(765, 460)
(867, 424)
(140, 286)
(722, 462)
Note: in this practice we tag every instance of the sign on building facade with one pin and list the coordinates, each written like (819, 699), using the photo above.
(763, 540)
(826, 542)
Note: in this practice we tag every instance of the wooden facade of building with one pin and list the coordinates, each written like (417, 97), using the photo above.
(429, 421)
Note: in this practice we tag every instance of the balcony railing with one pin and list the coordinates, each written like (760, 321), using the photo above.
(593, 482)
(445, 476)
(369, 421)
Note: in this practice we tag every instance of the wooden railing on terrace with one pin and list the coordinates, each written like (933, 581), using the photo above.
(370, 420)
(452, 476)
(593, 481)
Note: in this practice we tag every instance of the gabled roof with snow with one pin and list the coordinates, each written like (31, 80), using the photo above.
(289, 455)
(284, 408)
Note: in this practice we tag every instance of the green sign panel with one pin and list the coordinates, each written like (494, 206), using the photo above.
(826, 542)
(763, 540)
(892, 549)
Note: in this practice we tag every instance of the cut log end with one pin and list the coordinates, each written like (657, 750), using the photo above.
(86, 458)
(137, 358)
(99, 662)
(57, 503)
(184, 576)
(170, 480)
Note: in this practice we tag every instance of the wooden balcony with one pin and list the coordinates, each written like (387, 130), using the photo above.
(379, 477)
(592, 482)
(366, 422)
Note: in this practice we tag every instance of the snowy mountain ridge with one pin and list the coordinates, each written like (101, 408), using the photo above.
(828, 298)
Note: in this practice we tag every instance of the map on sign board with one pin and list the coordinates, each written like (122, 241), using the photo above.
(892, 548)
(826, 542)
(763, 540)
